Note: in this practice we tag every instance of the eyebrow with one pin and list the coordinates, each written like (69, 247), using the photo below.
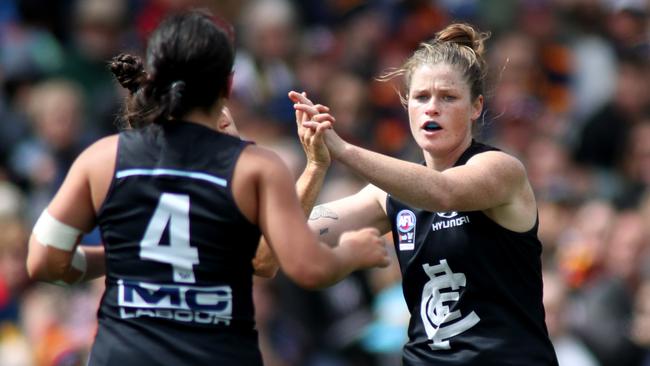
(439, 89)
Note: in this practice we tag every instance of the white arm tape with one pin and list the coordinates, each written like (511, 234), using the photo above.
(52, 232)
(79, 263)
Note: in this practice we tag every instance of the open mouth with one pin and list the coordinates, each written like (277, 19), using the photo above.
(431, 126)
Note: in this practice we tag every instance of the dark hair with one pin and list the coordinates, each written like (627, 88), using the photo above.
(459, 45)
(189, 61)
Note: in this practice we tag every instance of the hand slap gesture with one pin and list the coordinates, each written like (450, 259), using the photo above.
(317, 118)
(311, 122)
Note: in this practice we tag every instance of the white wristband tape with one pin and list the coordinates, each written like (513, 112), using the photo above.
(52, 232)
(79, 262)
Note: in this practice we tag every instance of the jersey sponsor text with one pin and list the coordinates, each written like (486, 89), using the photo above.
(198, 304)
(450, 223)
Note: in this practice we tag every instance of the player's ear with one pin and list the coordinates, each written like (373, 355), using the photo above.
(477, 108)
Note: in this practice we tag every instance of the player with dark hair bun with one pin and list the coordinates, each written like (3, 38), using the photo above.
(181, 202)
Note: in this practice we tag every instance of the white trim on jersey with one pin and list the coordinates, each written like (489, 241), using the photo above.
(178, 173)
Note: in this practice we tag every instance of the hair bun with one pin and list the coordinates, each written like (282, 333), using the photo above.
(463, 35)
(129, 71)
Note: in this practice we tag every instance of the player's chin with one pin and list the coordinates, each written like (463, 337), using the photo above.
(428, 144)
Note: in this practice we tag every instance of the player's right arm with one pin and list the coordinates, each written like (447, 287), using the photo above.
(54, 254)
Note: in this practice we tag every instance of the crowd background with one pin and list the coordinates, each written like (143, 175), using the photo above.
(569, 95)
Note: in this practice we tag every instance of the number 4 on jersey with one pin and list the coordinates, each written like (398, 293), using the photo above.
(175, 210)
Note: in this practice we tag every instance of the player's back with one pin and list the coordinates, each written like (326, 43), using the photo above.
(178, 253)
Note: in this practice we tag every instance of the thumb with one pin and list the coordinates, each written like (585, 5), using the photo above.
(322, 126)
(319, 134)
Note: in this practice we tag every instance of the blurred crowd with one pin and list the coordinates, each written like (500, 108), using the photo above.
(568, 94)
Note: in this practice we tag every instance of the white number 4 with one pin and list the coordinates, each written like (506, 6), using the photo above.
(175, 210)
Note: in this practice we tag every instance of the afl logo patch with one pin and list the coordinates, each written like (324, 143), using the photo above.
(405, 223)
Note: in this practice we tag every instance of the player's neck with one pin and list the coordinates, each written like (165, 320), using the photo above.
(208, 119)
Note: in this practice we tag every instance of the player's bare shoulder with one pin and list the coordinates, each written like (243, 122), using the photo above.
(520, 211)
(101, 152)
(508, 171)
(497, 157)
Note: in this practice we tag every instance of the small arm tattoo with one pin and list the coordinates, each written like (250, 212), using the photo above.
(323, 212)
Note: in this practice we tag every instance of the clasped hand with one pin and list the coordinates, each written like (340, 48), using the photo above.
(315, 123)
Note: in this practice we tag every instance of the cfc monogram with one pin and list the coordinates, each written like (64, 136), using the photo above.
(440, 323)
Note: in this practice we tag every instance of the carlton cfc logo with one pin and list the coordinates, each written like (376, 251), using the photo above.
(405, 221)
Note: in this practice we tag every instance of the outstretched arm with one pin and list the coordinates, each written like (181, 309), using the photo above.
(493, 182)
(310, 263)
(487, 180)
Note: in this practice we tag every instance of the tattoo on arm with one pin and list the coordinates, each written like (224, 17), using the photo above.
(323, 212)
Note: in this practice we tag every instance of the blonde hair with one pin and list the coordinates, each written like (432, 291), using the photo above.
(460, 45)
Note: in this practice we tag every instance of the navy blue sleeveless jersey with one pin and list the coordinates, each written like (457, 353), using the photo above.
(178, 253)
(473, 288)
